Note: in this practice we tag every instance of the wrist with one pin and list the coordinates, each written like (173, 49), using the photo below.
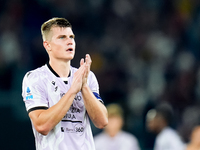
(85, 86)
(71, 91)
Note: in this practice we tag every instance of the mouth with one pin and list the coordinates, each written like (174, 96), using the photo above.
(70, 49)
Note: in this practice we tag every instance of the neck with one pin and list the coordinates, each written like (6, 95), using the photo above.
(161, 128)
(112, 133)
(60, 67)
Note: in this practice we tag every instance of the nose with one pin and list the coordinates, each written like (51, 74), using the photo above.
(70, 41)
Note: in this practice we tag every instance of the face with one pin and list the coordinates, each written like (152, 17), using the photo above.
(195, 137)
(61, 45)
(154, 124)
(115, 124)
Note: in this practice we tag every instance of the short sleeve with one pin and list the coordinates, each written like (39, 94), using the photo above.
(94, 86)
(33, 92)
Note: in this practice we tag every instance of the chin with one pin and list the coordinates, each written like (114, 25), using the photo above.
(70, 58)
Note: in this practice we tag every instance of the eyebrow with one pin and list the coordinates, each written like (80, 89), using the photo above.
(63, 35)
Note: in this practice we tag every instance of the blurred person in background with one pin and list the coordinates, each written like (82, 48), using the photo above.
(158, 121)
(194, 143)
(113, 137)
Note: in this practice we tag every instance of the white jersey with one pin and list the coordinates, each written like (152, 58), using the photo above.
(168, 139)
(122, 141)
(42, 88)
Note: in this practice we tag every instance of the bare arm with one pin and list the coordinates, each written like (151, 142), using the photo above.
(95, 109)
(45, 120)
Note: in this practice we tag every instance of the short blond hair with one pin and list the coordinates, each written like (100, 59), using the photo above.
(54, 22)
(115, 110)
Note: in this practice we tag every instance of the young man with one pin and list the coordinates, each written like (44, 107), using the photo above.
(60, 98)
(113, 137)
(158, 121)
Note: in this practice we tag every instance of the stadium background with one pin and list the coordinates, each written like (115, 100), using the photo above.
(143, 51)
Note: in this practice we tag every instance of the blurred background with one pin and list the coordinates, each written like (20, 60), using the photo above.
(144, 52)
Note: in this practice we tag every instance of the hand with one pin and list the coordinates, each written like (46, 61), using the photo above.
(87, 63)
(78, 77)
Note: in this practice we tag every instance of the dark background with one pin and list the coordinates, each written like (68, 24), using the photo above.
(144, 52)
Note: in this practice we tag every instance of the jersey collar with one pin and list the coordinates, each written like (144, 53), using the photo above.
(51, 69)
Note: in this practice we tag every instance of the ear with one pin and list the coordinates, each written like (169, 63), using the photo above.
(47, 46)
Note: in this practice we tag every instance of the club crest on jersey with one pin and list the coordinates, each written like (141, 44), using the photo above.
(29, 95)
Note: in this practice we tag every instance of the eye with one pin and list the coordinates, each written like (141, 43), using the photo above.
(72, 36)
(61, 37)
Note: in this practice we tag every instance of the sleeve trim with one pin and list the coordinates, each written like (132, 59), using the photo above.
(36, 108)
(98, 97)
(101, 101)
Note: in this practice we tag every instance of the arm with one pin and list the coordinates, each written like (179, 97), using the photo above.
(95, 109)
(45, 120)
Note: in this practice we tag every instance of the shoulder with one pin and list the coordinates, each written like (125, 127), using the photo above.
(35, 75)
(100, 136)
(170, 137)
(169, 131)
(73, 69)
(92, 74)
(170, 134)
(91, 77)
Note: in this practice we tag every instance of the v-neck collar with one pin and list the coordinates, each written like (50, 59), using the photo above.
(51, 69)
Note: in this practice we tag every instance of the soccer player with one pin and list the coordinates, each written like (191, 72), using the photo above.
(113, 137)
(59, 98)
(158, 121)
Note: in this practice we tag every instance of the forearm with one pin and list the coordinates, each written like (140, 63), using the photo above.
(95, 109)
(45, 120)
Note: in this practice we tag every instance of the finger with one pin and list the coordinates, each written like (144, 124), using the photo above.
(79, 75)
(81, 61)
(82, 67)
(88, 59)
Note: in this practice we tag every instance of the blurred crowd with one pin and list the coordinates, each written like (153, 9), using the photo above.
(144, 52)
